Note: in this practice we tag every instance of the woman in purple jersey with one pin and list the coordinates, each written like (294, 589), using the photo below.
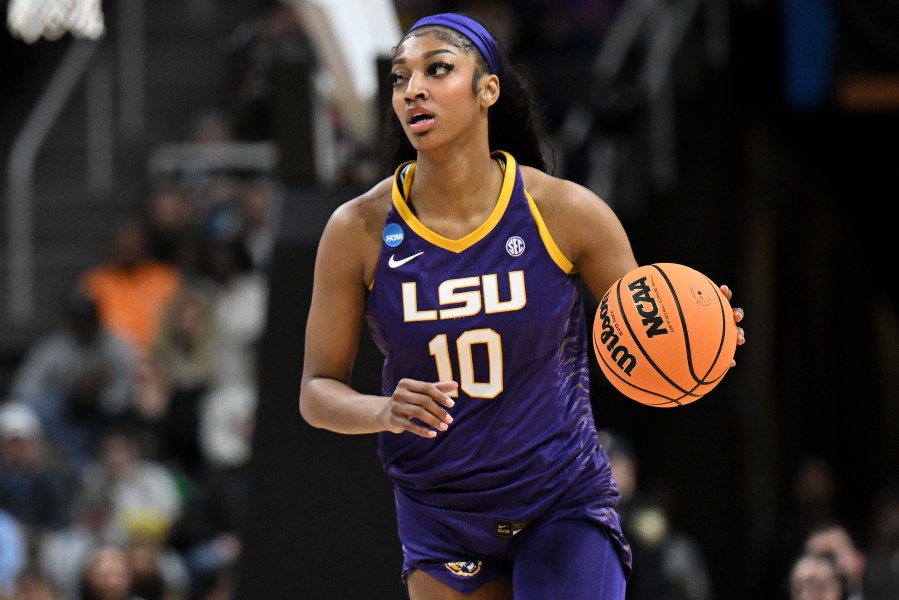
(415, 255)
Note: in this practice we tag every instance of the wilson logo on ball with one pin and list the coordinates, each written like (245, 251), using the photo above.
(617, 353)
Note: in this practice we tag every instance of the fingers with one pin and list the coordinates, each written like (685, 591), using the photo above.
(738, 317)
(447, 387)
(420, 407)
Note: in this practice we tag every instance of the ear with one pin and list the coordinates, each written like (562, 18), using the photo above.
(488, 91)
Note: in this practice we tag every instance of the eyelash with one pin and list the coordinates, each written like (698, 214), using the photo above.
(432, 71)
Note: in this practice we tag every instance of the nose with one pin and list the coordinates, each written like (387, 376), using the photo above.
(416, 87)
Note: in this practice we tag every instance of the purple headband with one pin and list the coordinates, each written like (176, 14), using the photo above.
(471, 29)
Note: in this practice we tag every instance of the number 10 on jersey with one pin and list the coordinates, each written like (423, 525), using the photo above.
(439, 348)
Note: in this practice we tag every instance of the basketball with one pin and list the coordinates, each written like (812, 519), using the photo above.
(664, 335)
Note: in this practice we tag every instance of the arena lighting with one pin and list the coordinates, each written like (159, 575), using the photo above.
(30, 20)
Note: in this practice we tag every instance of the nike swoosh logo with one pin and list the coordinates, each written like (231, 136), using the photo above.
(393, 263)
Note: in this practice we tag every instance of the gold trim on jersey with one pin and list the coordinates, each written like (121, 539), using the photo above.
(554, 252)
(402, 184)
(404, 175)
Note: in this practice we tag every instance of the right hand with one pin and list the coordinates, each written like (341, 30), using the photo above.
(419, 407)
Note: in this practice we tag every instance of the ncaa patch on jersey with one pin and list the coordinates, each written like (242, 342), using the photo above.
(393, 235)
(466, 568)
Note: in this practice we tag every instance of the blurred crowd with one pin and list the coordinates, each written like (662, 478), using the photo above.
(817, 553)
(125, 439)
(126, 432)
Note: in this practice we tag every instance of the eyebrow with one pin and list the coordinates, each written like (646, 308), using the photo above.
(428, 54)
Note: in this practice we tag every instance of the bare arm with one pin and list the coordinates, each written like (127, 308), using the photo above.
(586, 229)
(346, 256)
(590, 234)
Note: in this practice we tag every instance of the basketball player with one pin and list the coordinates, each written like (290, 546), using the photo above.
(467, 265)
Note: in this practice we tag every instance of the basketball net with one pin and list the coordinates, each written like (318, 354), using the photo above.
(29, 20)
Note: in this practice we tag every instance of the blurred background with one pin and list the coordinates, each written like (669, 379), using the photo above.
(169, 166)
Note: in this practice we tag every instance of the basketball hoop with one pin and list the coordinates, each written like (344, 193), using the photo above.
(29, 20)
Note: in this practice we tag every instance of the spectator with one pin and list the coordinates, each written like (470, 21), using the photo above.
(258, 209)
(260, 49)
(186, 341)
(159, 572)
(150, 411)
(227, 423)
(77, 378)
(208, 534)
(34, 488)
(13, 552)
(34, 585)
(882, 573)
(186, 350)
(132, 289)
(834, 539)
(223, 585)
(239, 302)
(811, 502)
(816, 577)
(671, 564)
(62, 552)
(174, 236)
(132, 486)
(107, 575)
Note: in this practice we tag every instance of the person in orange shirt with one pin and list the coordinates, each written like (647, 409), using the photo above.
(132, 290)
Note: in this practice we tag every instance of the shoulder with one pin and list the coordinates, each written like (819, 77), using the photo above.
(365, 211)
(352, 236)
(583, 226)
(570, 210)
(552, 193)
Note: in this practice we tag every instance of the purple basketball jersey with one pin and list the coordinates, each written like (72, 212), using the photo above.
(500, 312)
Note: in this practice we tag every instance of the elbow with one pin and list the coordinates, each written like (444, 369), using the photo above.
(307, 411)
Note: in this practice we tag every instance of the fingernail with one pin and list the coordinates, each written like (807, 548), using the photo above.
(448, 418)
(450, 402)
(444, 426)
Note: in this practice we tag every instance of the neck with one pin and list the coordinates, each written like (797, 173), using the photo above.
(456, 182)
(454, 198)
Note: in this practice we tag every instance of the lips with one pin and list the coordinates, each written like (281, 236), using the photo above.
(419, 120)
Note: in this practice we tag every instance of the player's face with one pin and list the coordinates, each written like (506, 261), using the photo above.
(432, 91)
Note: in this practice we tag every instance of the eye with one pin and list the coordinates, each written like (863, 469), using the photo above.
(439, 68)
(395, 78)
